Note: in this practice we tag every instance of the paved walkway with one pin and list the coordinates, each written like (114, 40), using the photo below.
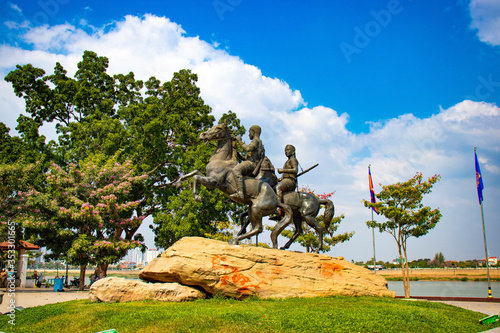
(31, 297)
(483, 307)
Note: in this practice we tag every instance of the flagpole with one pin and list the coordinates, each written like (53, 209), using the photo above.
(478, 175)
(373, 238)
(373, 229)
(486, 253)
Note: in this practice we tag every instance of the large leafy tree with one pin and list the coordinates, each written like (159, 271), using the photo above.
(14, 178)
(213, 217)
(401, 204)
(155, 125)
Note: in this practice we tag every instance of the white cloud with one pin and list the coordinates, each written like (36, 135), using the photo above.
(486, 19)
(396, 148)
(467, 109)
(15, 8)
(47, 38)
(16, 25)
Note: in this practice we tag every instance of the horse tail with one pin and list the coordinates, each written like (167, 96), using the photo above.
(329, 212)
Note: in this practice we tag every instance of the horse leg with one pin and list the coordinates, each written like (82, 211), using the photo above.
(328, 215)
(178, 182)
(255, 216)
(205, 181)
(196, 174)
(297, 222)
(244, 222)
(311, 220)
(281, 225)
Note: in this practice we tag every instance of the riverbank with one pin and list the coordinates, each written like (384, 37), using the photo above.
(478, 274)
(443, 274)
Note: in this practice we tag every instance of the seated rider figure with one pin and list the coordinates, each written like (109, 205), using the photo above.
(288, 182)
(254, 153)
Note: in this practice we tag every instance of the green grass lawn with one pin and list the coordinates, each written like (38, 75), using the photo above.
(334, 314)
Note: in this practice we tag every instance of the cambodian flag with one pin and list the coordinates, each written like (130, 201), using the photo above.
(372, 193)
(479, 180)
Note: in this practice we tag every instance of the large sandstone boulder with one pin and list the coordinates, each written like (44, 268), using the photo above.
(114, 289)
(239, 271)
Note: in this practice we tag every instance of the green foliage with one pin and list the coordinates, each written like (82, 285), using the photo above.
(154, 125)
(401, 204)
(14, 178)
(231, 120)
(438, 260)
(85, 213)
(212, 217)
(334, 314)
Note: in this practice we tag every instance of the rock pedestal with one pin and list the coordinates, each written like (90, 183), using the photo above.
(124, 290)
(240, 271)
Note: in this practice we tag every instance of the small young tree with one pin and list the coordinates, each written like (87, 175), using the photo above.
(401, 204)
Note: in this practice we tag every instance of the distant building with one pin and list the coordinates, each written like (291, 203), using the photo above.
(139, 258)
(134, 255)
(150, 255)
(492, 261)
(397, 261)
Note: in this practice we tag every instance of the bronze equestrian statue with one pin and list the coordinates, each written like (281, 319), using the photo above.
(258, 195)
(258, 192)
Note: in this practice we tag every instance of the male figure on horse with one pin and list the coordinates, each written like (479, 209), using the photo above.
(288, 181)
(254, 154)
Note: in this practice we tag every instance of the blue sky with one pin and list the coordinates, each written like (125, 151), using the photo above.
(405, 86)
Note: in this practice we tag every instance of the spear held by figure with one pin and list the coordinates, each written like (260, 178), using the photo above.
(303, 172)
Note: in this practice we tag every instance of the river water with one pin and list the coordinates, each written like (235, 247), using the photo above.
(446, 288)
(425, 288)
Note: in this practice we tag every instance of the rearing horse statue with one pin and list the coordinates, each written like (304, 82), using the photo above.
(258, 195)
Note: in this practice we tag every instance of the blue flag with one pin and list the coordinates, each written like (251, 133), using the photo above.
(479, 180)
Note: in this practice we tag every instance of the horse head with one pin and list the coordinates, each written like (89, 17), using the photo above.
(225, 151)
(216, 133)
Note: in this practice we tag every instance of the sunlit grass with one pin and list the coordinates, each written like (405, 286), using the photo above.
(334, 314)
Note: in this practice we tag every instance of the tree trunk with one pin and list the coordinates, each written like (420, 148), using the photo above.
(407, 269)
(101, 270)
(82, 276)
(406, 286)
